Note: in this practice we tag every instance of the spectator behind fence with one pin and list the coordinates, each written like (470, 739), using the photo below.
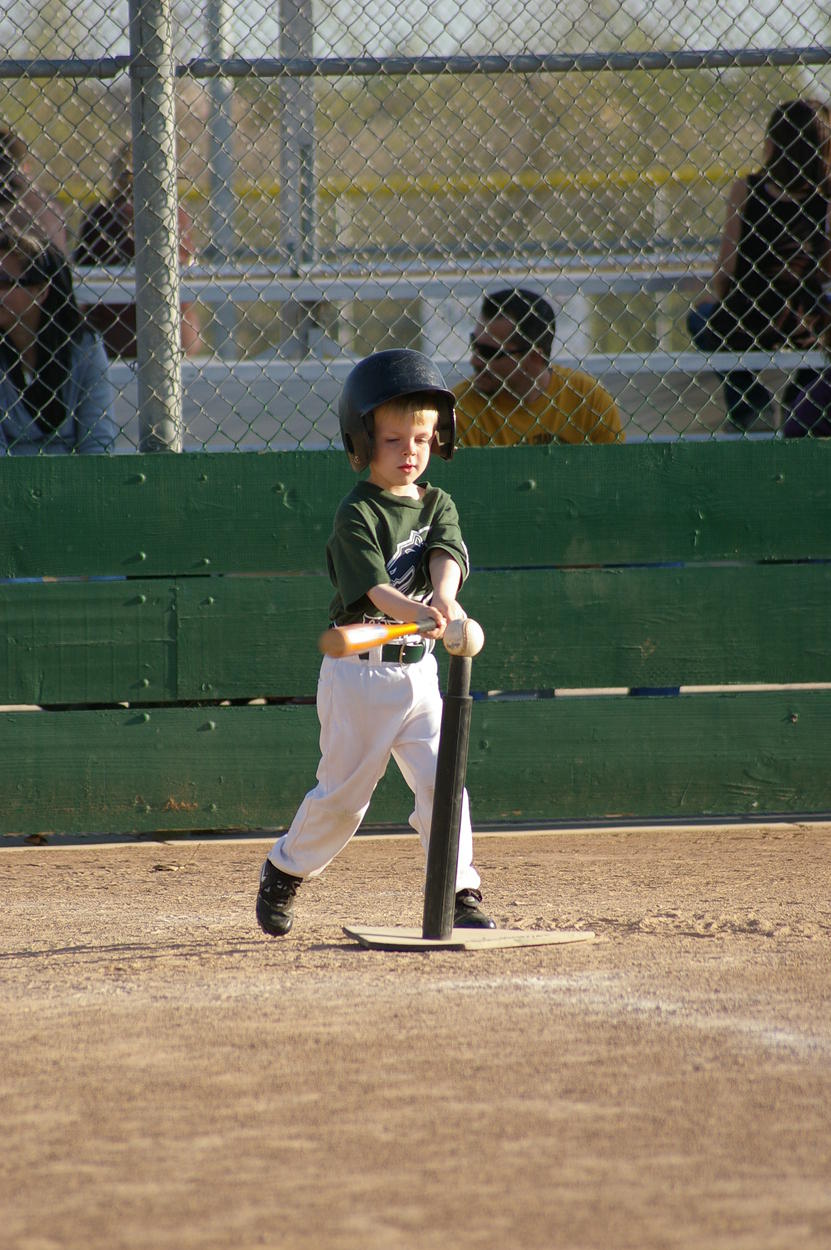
(55, 395)
(23, 206)
(516, 395)
(774, 258)
(107, 237)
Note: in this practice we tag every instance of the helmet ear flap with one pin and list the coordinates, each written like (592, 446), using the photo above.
(444, 439)
(358, 439)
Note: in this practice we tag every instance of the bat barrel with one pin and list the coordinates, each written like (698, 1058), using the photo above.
(451, 770)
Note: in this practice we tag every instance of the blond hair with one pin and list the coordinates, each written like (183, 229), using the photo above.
(409, 406)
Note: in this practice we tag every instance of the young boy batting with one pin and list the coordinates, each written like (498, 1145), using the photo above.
(395, 554)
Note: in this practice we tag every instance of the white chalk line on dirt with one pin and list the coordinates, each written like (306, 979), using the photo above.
(601, 994)
(608, 995)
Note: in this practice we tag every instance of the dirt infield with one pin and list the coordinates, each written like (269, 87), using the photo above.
(173, 1079)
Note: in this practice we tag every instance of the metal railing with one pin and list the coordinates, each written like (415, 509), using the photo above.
(281, 402)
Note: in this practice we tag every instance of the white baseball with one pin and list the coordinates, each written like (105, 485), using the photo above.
(465, 637)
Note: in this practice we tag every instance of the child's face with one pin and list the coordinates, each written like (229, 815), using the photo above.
(401, 447)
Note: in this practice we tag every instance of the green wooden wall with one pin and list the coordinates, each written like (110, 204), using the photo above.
(179, 588)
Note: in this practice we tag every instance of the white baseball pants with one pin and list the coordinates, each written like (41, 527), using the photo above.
(368, 712)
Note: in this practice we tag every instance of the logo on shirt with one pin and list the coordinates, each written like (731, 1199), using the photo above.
(406, 558)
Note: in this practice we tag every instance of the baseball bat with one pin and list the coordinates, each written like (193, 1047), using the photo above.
(343, 640)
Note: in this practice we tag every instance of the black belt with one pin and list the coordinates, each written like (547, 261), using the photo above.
(394, 654)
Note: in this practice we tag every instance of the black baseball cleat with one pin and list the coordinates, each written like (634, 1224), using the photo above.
(468, 914)
(275, 900)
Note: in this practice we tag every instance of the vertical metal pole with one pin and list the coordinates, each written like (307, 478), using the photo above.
(221, 169)
(451, 769)
(573, 325)
(152, 89)
(298, 222)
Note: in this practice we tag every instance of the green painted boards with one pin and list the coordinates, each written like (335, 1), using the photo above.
(179, 588)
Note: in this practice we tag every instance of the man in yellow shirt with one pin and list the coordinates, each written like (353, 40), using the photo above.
(516, 395)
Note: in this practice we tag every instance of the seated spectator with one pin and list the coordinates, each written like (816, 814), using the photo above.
(23, 206)
(55, 395)
(516, 395)
(774, 259)
(107, 237)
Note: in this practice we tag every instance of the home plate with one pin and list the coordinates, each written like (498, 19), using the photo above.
(401, 939)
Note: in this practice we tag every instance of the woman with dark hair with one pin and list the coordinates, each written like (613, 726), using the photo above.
(775, 256)
(55, 394)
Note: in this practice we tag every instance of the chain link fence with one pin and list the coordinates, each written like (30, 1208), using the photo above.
(241, 200)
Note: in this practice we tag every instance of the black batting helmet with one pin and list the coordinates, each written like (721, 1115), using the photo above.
(376, 380)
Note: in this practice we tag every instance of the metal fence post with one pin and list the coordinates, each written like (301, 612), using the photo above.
(223, 242)
(155, 206)
(298, 223)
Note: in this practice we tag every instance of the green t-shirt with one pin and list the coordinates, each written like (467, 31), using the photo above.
(383, 539)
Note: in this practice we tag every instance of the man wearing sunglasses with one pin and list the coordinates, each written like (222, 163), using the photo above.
(515, 394)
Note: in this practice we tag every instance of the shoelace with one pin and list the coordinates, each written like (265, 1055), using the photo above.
(281, 889)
